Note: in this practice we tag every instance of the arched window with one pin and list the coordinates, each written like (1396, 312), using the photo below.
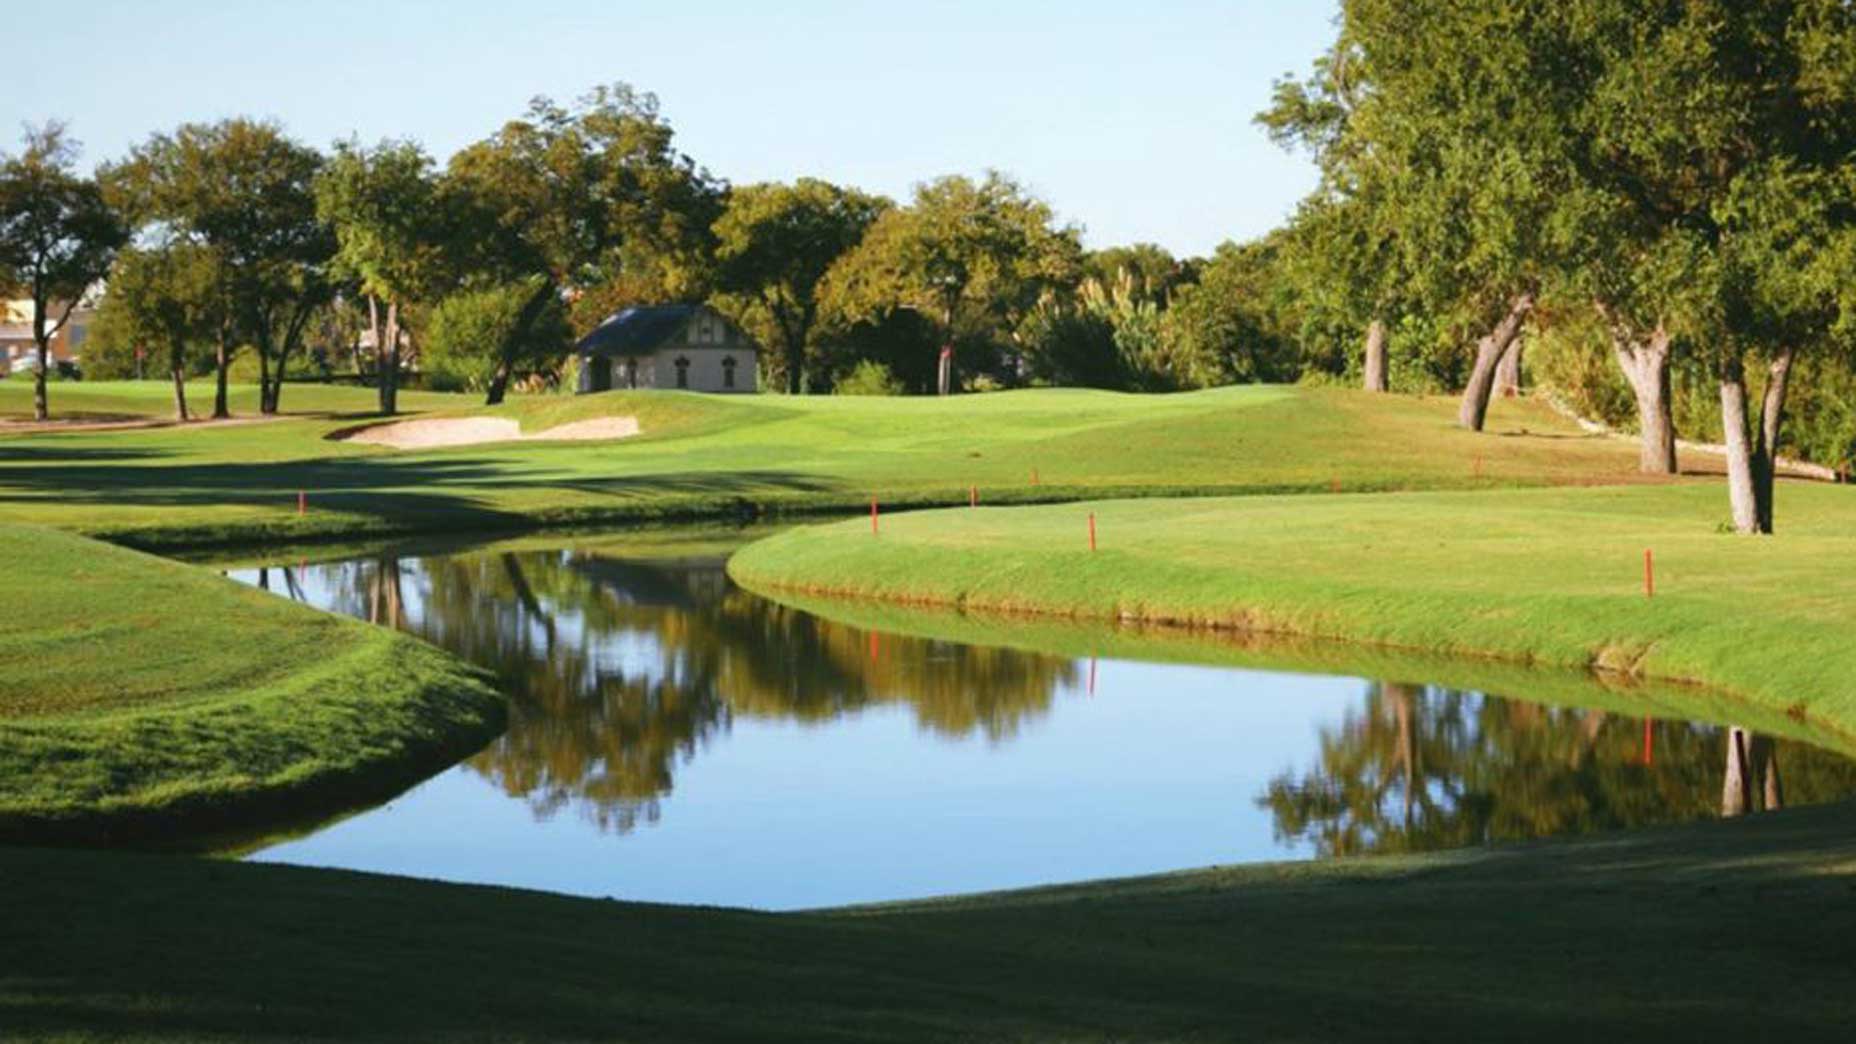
(728, 371)
(683, 372)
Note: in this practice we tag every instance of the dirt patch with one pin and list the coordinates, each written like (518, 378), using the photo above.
(434, 432)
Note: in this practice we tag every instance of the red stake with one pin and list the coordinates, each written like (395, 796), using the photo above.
(973, 496)
(302, 502)
(1649, 744)
(873, 514)
(1649, 574)
(1092, 531)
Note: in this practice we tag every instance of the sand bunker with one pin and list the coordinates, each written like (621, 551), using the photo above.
(469, 431)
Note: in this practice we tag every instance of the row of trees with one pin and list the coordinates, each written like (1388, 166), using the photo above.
(231, 244)
(1674, 175)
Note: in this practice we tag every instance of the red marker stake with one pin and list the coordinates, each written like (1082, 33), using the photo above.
(1649, 744)
(872, 514)
(1092, 531)
(1649, 574)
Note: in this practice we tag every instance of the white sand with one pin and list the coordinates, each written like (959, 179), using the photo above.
(468, 431)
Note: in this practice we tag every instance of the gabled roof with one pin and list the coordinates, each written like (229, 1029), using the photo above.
(636, 331)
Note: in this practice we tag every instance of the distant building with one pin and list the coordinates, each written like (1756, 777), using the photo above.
(668, 346)
(19, 351)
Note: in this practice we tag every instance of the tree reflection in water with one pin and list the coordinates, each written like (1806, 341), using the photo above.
(1421, 768)
(620, 671)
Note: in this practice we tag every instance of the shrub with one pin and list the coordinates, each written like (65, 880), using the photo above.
(869, 378)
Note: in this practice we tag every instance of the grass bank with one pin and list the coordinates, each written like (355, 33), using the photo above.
(705, 457)
(1742, 928)
(1543, 577)
(149, 699)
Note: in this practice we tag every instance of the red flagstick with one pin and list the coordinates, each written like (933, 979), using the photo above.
(1649, 744)
(1092, 531)
(873, 514)
(1649, 574)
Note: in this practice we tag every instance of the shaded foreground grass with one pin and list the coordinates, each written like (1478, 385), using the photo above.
(718, 457)
(1743, 928)
(139, 695)
(1544, 577)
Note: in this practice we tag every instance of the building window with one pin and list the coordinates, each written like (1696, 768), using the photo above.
(683, 372)
(728, 372)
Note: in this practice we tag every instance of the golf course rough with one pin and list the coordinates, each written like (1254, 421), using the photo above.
(147, 698)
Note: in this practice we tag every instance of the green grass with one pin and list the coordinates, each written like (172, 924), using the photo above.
(1744, 930)
(148, 698)
(713, 457)
(1545, 577)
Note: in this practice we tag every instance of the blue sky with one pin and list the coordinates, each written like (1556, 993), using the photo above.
(1133, 120)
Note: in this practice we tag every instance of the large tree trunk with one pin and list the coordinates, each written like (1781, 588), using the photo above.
(1741, 493)
(1737, 782)
(1508, 371)
(1765, 764)
(222, 357)
(264, 374)
(41, 407)
(1376, 379)
(1646, 365)
(386, 334)
(1766, 445)
(1474, 411)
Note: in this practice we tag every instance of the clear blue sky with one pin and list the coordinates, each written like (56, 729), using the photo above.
(1132, 119)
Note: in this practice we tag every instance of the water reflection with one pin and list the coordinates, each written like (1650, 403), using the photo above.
(857, 766)
(1419, 768)
(619, 671)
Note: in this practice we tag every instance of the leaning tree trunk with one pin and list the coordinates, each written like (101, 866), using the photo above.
(518, 335)
(1646, 365)
(1508, 371)
(1765, 764)
(1474, 411)
(1741, 494)
(264, 376)
(1766, 444)
(1737, 782)
(222, 356)
(1376, 380)
(177, 367)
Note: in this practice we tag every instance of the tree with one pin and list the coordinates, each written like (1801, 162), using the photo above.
(974, 257)
(774, 245)
(165, 298)
(469, 330)
(384, 206)
(245, 190)
(1230, 327)
(57, 237)
(572, 197)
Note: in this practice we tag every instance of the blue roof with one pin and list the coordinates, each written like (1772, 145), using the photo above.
(635, 331)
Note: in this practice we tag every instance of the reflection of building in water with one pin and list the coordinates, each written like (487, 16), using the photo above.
(621, 670)
(1424, 768)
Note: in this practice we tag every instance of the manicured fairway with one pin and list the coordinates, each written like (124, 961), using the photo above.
(139, 695)
(1551, 577)
(711, 456)
(1741, 930)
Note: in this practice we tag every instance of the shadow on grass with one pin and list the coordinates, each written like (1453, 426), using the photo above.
(1735, 929)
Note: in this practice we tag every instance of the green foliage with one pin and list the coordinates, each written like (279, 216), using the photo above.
(774, 245)
(1232, 327)
(973, 257)
(868, 377)
(466, 338)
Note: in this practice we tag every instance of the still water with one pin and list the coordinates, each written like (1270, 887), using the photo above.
(674, 738)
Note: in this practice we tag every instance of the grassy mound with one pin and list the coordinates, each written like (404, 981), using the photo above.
(140, 696)
(719, 457)
(1737, 929)
(1547, 577)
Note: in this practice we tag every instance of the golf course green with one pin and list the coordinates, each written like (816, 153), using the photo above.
(1305, 512)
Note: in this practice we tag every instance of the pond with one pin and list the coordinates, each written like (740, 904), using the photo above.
(674, 738)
